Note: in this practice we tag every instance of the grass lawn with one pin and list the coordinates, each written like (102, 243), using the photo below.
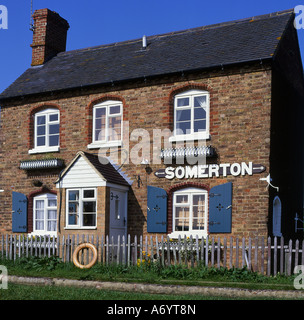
(155, 274)
(30, 292)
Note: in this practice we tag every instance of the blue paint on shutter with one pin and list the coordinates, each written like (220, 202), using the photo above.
(156, 210)
(220, 208)
(19, 212)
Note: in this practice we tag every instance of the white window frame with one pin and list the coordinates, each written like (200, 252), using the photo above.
(190, 192)
(80, 208)
(46, 148)
(190, 136)
(106, 143)
(44, 197)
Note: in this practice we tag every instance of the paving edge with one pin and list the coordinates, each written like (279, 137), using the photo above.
(160, 289)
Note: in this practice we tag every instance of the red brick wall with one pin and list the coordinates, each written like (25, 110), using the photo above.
(240, 107)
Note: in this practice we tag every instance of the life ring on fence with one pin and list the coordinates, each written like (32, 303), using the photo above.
(75, 255)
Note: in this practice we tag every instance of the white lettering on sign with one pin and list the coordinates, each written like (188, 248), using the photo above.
(209, 171)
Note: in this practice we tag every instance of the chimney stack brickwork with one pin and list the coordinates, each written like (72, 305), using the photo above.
(50, 35)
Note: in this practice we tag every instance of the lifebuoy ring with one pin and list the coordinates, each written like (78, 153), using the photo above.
(75, 256)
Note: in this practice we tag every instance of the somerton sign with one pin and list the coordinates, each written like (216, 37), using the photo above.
(210, 170)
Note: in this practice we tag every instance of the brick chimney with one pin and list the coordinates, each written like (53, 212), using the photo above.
(50, 35)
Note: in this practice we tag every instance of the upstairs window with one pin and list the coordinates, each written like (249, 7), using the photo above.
(107, 124)
(191, 116)
(46, 131)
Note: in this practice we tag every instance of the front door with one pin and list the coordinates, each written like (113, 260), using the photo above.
(118, 214)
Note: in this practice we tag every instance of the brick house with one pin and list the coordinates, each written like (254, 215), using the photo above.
(78, 132)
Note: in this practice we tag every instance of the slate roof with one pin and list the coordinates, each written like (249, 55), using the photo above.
(217, 45)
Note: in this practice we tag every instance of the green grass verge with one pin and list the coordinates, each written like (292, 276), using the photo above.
(154, 273)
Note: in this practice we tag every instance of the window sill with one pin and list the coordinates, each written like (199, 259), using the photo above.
(190, 137)
(80, 228)
(98, 145)
(175, 235)
(44, 150)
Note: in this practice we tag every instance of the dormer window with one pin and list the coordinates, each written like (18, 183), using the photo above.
(46, 131)
(191, 116)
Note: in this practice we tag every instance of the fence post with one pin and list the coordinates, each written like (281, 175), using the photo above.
(262, 255)
(282, 255)
(275, 258)
(129, 250)
(225, 253)
(268, 256)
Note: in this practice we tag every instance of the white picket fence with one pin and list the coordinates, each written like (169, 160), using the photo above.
(267, 256)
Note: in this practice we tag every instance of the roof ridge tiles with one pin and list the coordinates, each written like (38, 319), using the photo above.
(179, 32)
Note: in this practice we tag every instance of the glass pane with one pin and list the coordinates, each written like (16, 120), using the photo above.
(100, 123)
(40, 141)
(73, 219)
(89, 220)
(114, 134)
(100, 112)
(39, 214)
(52, 214)
(88, 193)
(114, 122)
(198, 199)
(52, 203)
(114, 109)
(198, 224)
(73, 207)
(39, 225)
(200, 102)
(100, 135)
(40, 120)
(51, 226)
(199, 113)
(199, 125)
(182, 199)
(198, 212)
(53, 117)
(54, 128)
(183, 115)
(183, 127)
(89, 206)
(40, 130)
(39, 204)
(181, 219)
(117, 211)
(73, 195)
(54, 141)
(183, 102)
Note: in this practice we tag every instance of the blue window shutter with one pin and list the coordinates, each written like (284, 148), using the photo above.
(156, 210)
(19, 212)
(220, 208)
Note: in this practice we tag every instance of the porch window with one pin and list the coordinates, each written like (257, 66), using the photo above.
(190, 212)
(81, 208)
(45, 214)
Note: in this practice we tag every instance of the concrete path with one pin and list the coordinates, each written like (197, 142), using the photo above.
(161, 289)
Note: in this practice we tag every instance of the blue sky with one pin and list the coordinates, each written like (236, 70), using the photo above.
(96, 22)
